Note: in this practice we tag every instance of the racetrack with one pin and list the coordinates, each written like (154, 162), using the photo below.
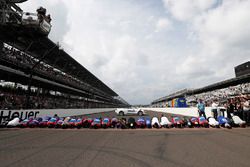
(116, 147)
(164, 147)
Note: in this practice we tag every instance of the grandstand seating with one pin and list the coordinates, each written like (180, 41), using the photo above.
(221, 91)
(29, 58)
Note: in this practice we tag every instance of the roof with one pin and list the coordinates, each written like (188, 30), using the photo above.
(41, 47)
(218, 85)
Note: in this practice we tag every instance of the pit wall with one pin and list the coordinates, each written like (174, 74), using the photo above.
(23, 114)
(192, 111)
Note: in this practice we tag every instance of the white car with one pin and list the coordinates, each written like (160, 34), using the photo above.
(129, 111)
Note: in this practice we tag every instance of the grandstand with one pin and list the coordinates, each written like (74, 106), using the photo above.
(242, 69)
(42, 74)
(221, 91)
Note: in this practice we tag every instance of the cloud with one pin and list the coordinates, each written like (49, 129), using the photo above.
(148, 49)
(163, 24)
(221, 39)
(187, 9)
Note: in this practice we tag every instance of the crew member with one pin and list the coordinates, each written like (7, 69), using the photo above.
(201, 108)
(215, 109)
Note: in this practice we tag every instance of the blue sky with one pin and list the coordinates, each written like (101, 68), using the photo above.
(145, 49)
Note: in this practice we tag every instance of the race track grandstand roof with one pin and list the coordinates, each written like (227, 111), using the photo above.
(218, 85)
(43, 48)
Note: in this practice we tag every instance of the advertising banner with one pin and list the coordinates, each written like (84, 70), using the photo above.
(23, 114)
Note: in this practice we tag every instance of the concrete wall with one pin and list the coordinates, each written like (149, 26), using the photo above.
(8, 114)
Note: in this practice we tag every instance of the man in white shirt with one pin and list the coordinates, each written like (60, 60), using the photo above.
(215, 109)
(155, 122)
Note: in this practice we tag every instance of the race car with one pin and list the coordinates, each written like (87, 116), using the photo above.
(203, 122)
(131, 123)
(140, 122)
(52, 122)
(224, 122)
(96, 123)
(129, 111)
(155, 123)
(165, 122)
(194, 122)
(212, 122)
(86, 122)
(177, 122)
(13, 123)
(44, 122)
(106, 123)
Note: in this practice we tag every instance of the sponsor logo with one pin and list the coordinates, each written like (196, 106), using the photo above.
(9, 115)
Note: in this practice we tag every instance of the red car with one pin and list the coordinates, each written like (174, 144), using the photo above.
(97, 123)
(106, 123)
(177, 122)
(203, 122)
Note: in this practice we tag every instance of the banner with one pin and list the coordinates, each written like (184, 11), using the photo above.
(23, 114)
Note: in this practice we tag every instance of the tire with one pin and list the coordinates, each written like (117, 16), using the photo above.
(140, 113)
(121, 113)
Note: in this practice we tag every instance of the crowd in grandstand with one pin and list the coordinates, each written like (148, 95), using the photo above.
(15, 98)
(27, 62)
(222, 95)
(235, 99)
(20, 60)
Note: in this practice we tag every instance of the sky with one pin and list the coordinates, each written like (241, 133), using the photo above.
(146, 49)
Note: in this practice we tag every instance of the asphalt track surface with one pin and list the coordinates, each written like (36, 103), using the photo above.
(116, 147)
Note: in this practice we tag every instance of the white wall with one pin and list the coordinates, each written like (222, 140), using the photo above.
(192, 111)
(5, 114)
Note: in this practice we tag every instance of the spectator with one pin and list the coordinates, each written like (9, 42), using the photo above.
(246, 112)
(215, 109)
(230, 107)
